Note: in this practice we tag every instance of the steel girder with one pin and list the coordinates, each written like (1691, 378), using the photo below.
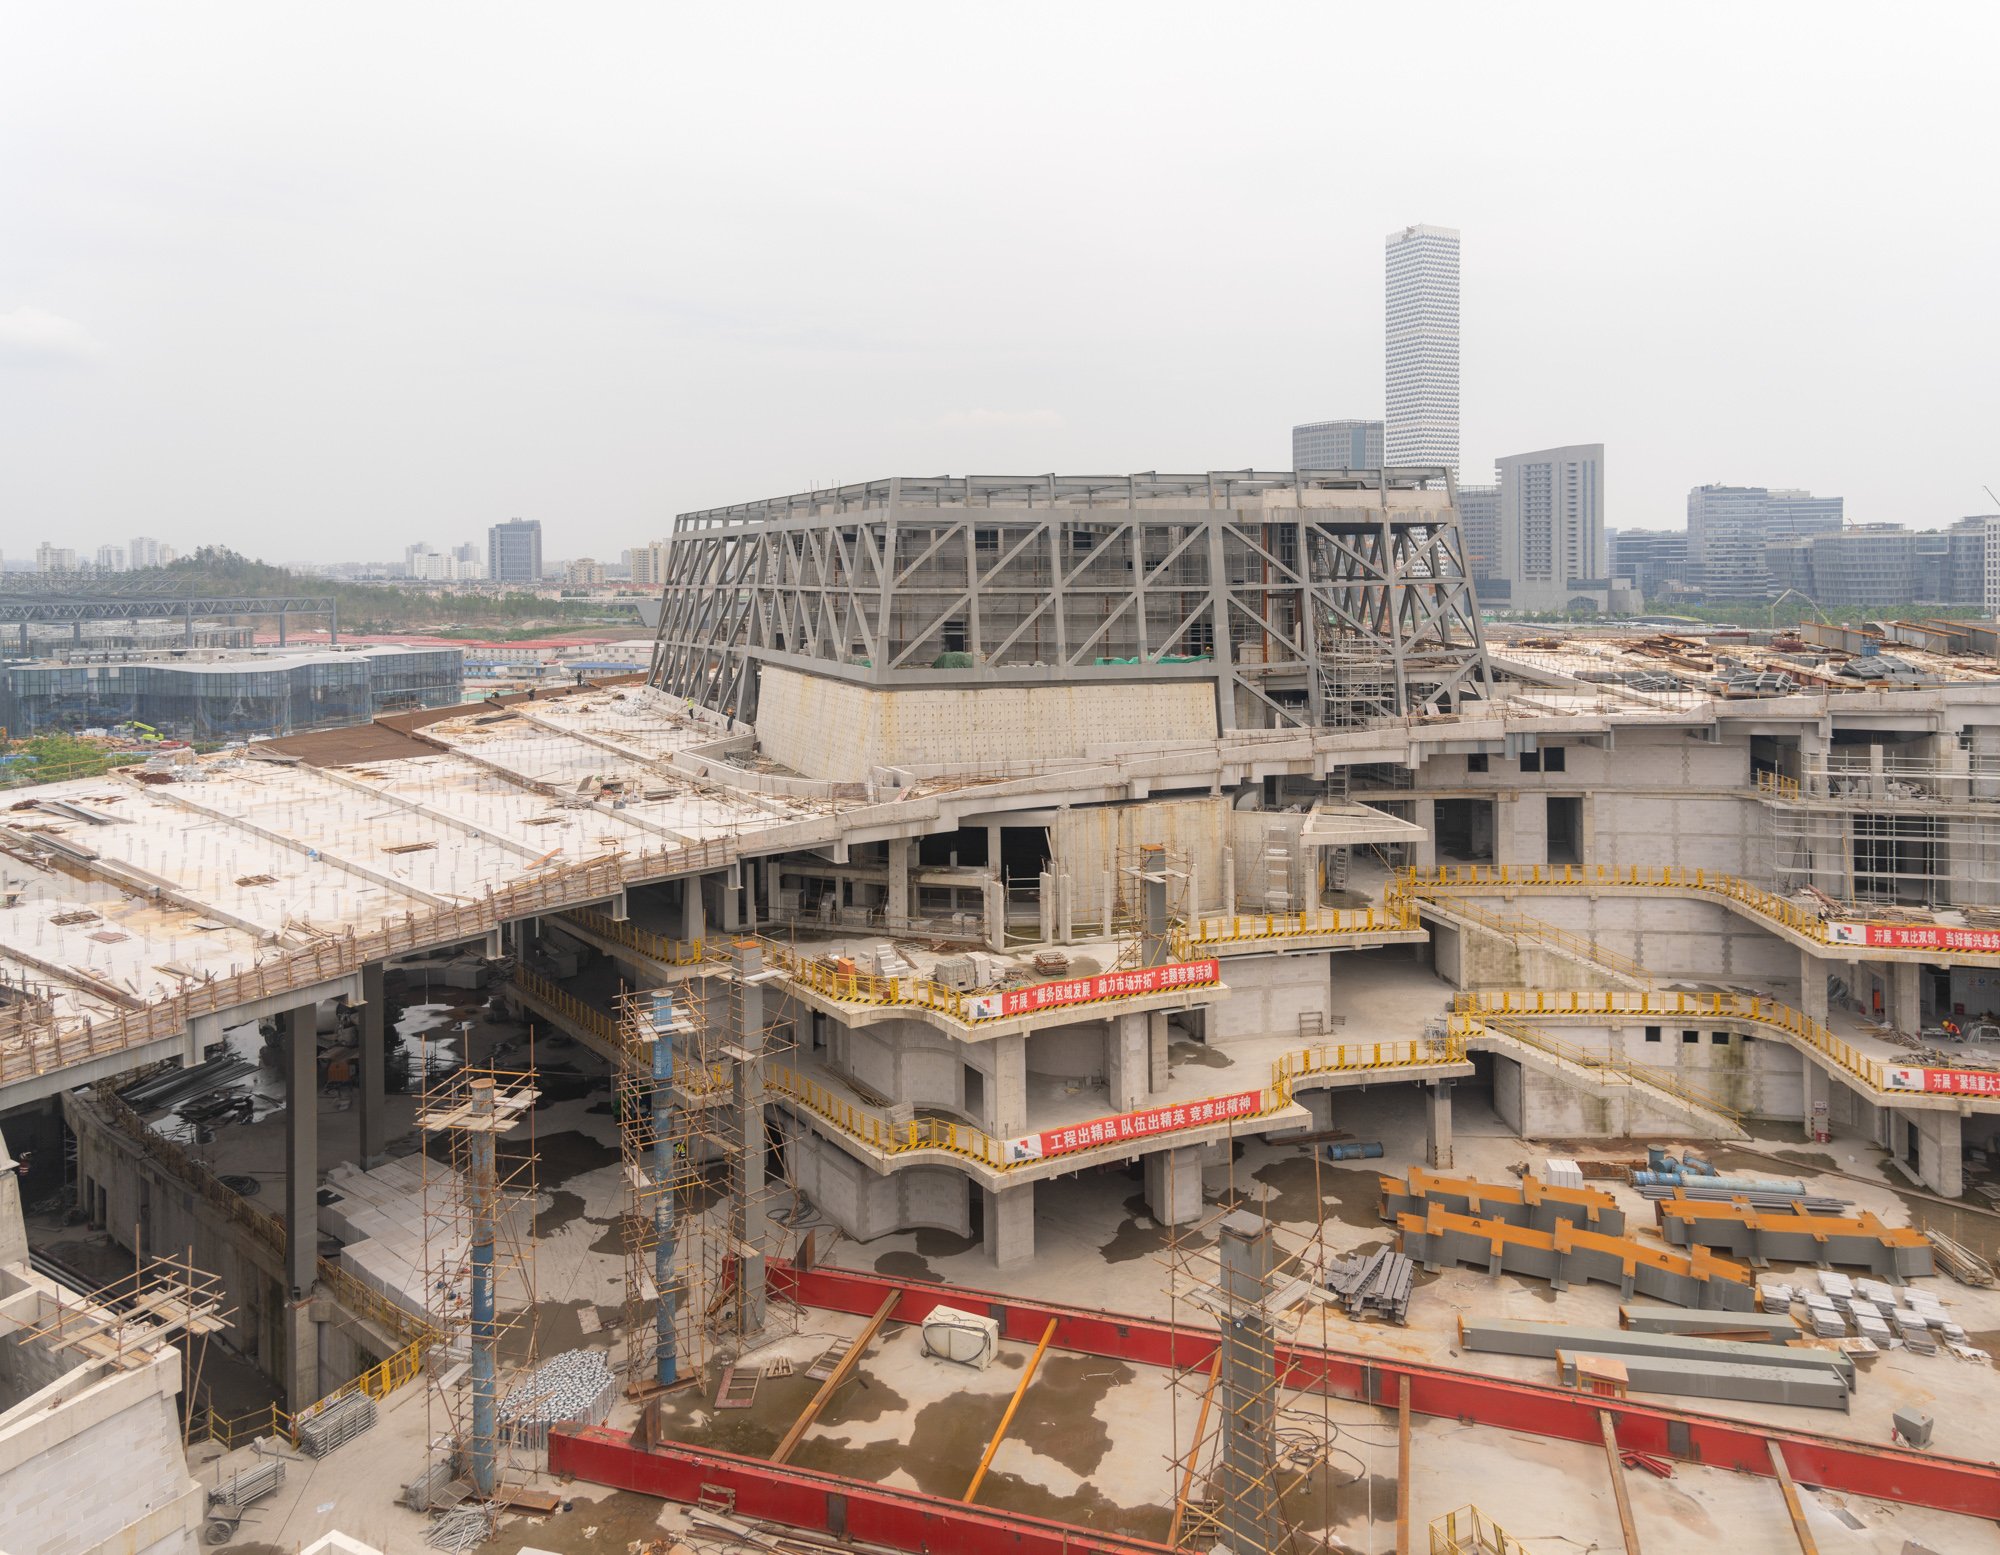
(1303, 616)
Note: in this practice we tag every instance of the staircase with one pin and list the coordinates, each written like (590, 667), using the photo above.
(1662, 1087)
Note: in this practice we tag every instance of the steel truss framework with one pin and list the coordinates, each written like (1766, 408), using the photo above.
(1305, 598)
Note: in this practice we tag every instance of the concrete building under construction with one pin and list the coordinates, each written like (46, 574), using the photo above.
(1028, 863)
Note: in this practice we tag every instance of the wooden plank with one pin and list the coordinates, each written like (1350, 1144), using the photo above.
(1194, 1452)
(1007, 1419)
(835, 1378)
(1403, 1468)
(1792, 1505)
(1618, 1481)
(523, 1498)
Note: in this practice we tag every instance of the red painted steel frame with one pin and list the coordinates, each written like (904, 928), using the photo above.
(830, 1503)
(1829, 1462)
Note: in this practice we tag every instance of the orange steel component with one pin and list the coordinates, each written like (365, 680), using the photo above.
(1014, 1403)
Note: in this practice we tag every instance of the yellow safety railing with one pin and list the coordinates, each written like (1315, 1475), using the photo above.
(1332, 1058)
(1777, 785)
(1547, 1004)
(1611, 1068)
(551, 996)
(890, 1138)
(1396, 915)
(378, 1382)
(659, 947)
(1804, 922)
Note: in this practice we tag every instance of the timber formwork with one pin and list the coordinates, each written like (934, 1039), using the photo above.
(1305, 598)
(1567, 1255)
(1532, 1203)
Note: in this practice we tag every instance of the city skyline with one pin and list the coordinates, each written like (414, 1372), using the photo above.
(179, 352)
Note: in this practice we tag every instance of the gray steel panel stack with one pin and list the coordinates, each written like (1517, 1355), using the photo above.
(1378, 1284)
(1512, 1336)
(336, 1424)
(1696, 1377)
(1751, 1327)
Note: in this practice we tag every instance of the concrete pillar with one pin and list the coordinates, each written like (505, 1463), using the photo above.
(694, 916)
(898, 906)
(732, 904)
(1008, 1085)
(1010, 1224)
(1940, 1151)
(1173, 1185)
(374, 1066)
(1906, 996)
(750, 1214)
(1812, 986)
(1437, 1121)
(995, 895)
(1045, 904)
(298, 1035)
(1066, 907)
(1152, 889)
(1319, 1107)
(1128, 1060)
(1816, 1106)
(1248, 1403)
(1158, 1039)
(1424, 851)
(1228, 881)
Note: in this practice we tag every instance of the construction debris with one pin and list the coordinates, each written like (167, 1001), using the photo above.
(1960, 1261)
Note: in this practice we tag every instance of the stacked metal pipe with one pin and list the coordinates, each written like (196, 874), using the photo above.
(573, 1388)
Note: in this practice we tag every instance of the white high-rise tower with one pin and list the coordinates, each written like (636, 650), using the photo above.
(1422, 274)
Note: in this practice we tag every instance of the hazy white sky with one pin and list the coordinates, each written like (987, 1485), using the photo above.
(318, 281)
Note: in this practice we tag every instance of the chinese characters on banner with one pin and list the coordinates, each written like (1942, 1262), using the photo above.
(1957, 1082)
(1086, 990)
(1134, 1125)
(1914, 936)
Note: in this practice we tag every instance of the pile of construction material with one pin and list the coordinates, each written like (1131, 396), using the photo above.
(1883, 1316)
(1533, 1203)
(573, 1388)
(1762, 1236)
(1960, 1261)
(1692, 1177)
(335, 1423)
(1376, 1284)
(1562, 1235)
(1685, 1364)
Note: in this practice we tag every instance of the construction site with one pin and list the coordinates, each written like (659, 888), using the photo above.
(1096, 1014)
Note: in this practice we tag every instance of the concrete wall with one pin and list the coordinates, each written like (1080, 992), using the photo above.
(835, 729)
(94, 1463)
(1544, 1102)
(141, 1197)
(1672, 937)
(1268, 994)
(1094, 842)
(1070, 1052)
(1757, 1076)
(865, 1205)
(1676, 808)
(1478, 957)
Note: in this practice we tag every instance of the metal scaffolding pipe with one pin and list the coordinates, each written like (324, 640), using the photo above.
(667, 1366)
(484, 1191)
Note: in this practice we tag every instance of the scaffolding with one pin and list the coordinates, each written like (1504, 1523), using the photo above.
(700, 1168)
(1872, 826)
(478, 1261)
(1259, 1471)
(121, 1323)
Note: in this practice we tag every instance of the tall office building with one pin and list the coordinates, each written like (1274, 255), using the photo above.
(1422, 356)
(514, 551)
(1479, 522)
(145, 552)
(1730, 526)
(1552, 543)
(1653, 560)
(111, 558)
(1337, 445)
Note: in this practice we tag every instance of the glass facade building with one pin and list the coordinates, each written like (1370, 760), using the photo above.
(230, 698)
